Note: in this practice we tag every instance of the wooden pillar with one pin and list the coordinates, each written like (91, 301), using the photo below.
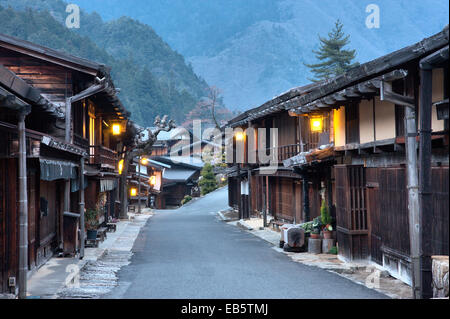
(266, 209)
(426, 203)
(82, 205)
(306, 213)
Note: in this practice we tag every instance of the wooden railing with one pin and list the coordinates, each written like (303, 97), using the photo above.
(287, 151)
(284, 152)
(101, 155)
(80, 141)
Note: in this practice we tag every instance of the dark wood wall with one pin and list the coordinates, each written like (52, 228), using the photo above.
(351, 211)
(234, 192)
(9, 223)
(386, 206)
(440, 226)
(48, 222)
(51, 79)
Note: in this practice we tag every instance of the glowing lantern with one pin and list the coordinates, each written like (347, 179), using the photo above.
(239, 136)
(144, 161)
(153, 180)
(116, 129)
(316, 124)
(133, 192)
(120, 167)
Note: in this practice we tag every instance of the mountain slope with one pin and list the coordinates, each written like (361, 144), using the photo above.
(255, 49)
(154, 79)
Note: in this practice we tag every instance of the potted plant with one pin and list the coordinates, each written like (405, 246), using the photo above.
(315, 233)
(91, 217)
(326, 221)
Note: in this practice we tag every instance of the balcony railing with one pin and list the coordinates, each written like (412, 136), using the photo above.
(287, 151)
(100, 155)
(78, 140)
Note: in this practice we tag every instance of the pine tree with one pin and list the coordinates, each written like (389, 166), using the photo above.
(334, 59)
(208, 182)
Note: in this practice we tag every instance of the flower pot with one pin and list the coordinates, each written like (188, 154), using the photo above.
(91, 234)
(327, 235)
(315, 236)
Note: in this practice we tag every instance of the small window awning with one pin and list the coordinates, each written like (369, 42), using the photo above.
(107, 185)
(52, 170)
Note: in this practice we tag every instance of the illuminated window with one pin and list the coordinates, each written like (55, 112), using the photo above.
(153, 180)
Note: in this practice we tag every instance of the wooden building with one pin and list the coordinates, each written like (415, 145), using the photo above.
(180, 177)
(75, 121)
(357, 156)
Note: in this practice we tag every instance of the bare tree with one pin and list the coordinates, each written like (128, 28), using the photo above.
(141, 148)
(212, 102)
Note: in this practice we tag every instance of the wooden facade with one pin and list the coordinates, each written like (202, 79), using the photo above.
(357, 160)
(44, 80)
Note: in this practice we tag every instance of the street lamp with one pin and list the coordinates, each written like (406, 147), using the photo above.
(133, 192)
(144, 161)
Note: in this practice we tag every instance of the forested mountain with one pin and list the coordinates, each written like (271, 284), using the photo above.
(153, 78)
(255, 49)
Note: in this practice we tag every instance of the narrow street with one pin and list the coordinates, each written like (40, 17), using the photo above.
(190, 254)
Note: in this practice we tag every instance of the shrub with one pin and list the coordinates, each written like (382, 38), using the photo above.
(208, 181)
(325, 214)
(186, 199)
(333, 250)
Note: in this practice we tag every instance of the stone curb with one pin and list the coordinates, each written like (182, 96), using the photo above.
(242, 224)
(225, 219)
(345, 271)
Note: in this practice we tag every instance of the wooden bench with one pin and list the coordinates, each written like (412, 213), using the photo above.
(101, 233)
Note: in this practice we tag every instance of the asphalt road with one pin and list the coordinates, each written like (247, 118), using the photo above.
(190, 254)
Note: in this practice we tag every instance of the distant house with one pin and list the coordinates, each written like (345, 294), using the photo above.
(180, 177)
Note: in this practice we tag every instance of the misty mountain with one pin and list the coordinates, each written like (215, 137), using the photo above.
(154, 79)
(255, 49)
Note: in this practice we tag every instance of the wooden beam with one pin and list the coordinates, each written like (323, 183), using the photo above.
(366, 88)
(351, 92)
(340, 96)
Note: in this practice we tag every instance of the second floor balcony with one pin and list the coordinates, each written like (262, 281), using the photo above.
(106, 158)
